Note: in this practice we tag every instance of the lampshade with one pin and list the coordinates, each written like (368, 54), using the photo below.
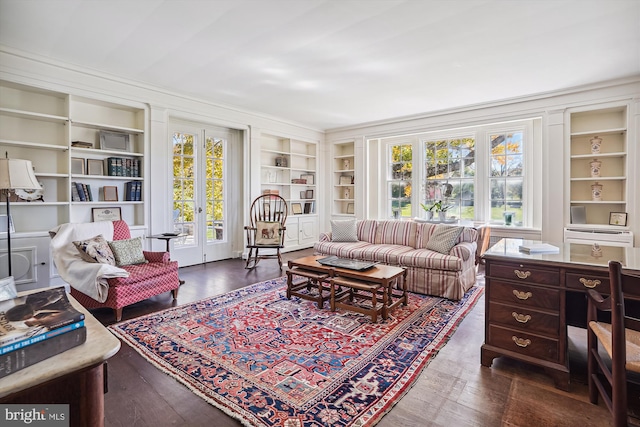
(17, 174)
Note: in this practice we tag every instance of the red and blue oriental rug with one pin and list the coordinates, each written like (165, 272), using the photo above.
(269, 361)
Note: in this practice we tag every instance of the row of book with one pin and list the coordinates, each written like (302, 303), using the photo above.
(122, 166)
(133, 191)
(81, 192)
(37, 326)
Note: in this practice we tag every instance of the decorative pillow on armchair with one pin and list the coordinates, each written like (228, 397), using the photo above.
(128, 251)
(344, 231)
(267, 233)
(95, 249)
(444, 238)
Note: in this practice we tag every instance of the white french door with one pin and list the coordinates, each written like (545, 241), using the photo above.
(202, 201)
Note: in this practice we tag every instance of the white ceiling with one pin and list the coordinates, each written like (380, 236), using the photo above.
(333, 63)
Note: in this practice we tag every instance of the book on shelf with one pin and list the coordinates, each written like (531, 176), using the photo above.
(25, 357)
(85, 188)
(539, 248)
(138, 188)
(81, 194)
(75, 196)
(81, 144)
(129, 191)
(29, 317)
(89, 193)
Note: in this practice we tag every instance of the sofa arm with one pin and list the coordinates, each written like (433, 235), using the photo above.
(163, 257)
(464, 250)
(325, 237)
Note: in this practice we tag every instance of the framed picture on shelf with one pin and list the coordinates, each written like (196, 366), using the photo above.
(345, 179)
(110, 193)
(106, 214)
(351, 208)
(77, 166)
(303, 194)
(95, 167)
(114, 141)
(296, 208)
(281, 162)
(309, 194)
(309, 178)
(618, 218)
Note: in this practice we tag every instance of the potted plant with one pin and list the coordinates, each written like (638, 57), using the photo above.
(437, 206)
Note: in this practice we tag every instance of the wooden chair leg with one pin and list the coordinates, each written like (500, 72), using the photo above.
(249, 259)
(174, 293)
(118, 313)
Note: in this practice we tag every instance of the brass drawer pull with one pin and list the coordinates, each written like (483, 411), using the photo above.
(522, 318)
(522, 295)
(520, 342)
(590, 283)
(522, 274)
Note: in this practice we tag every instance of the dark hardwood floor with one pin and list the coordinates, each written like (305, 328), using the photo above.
(454, 389)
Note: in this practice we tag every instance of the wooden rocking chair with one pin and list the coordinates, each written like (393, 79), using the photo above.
(266, 229)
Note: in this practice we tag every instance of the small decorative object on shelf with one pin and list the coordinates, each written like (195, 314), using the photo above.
(595, 167)
(281, 162)
(346, 164)
(596, 192)
(596, 143)
(346, 193)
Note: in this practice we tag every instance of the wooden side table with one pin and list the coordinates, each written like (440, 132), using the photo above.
(167, 238)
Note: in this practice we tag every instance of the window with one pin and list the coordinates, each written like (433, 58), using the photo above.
(506, 176)
(480, 172)
(449, 171)
(399, 180)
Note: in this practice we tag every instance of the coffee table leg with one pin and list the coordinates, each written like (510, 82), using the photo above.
(374, 301)
(333, 296)
(386, 299)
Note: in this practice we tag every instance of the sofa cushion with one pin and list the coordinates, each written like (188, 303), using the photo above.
(367, 230)
(344, 231)
(444, 238)
(340, 249)
(426, 258)
(128, 251)
(95, 249)
(386, 254)
(396, 233)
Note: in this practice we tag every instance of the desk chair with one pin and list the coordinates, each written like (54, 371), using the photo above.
(620, 339)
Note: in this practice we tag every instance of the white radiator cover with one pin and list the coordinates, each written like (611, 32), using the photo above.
(603, 237)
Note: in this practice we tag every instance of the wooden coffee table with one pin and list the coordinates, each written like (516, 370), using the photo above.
(345, 285)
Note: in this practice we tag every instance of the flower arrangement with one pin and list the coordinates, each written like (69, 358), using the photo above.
(436, 206)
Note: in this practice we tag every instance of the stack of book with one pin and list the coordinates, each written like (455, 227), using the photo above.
(81, 192)
(120, 166)
(37, 326)
(133, 191)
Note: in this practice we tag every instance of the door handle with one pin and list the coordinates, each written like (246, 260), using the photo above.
(199, 210)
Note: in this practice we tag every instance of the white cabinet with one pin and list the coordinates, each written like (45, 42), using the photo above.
(343, 177)
(598, 167)
(43, 126)
(302, 232)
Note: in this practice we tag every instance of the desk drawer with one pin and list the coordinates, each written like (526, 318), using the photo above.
(585, 281)
(525, 318)
(523, 273)
(524, 343)
(523, 295)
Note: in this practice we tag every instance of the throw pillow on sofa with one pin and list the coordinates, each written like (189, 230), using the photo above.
(128, 252)
(344, 230)
(95, 249)
(444, 238)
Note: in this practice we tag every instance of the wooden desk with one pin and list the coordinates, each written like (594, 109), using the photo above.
(527, 299)
(76, 377)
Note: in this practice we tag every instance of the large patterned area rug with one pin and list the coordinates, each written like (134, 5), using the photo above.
(269, 361)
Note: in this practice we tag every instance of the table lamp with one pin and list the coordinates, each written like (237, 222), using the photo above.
(15, 174)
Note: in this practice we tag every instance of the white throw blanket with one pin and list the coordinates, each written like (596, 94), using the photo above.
(87, 277)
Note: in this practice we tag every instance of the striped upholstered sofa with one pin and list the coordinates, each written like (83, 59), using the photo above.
(403, 243)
